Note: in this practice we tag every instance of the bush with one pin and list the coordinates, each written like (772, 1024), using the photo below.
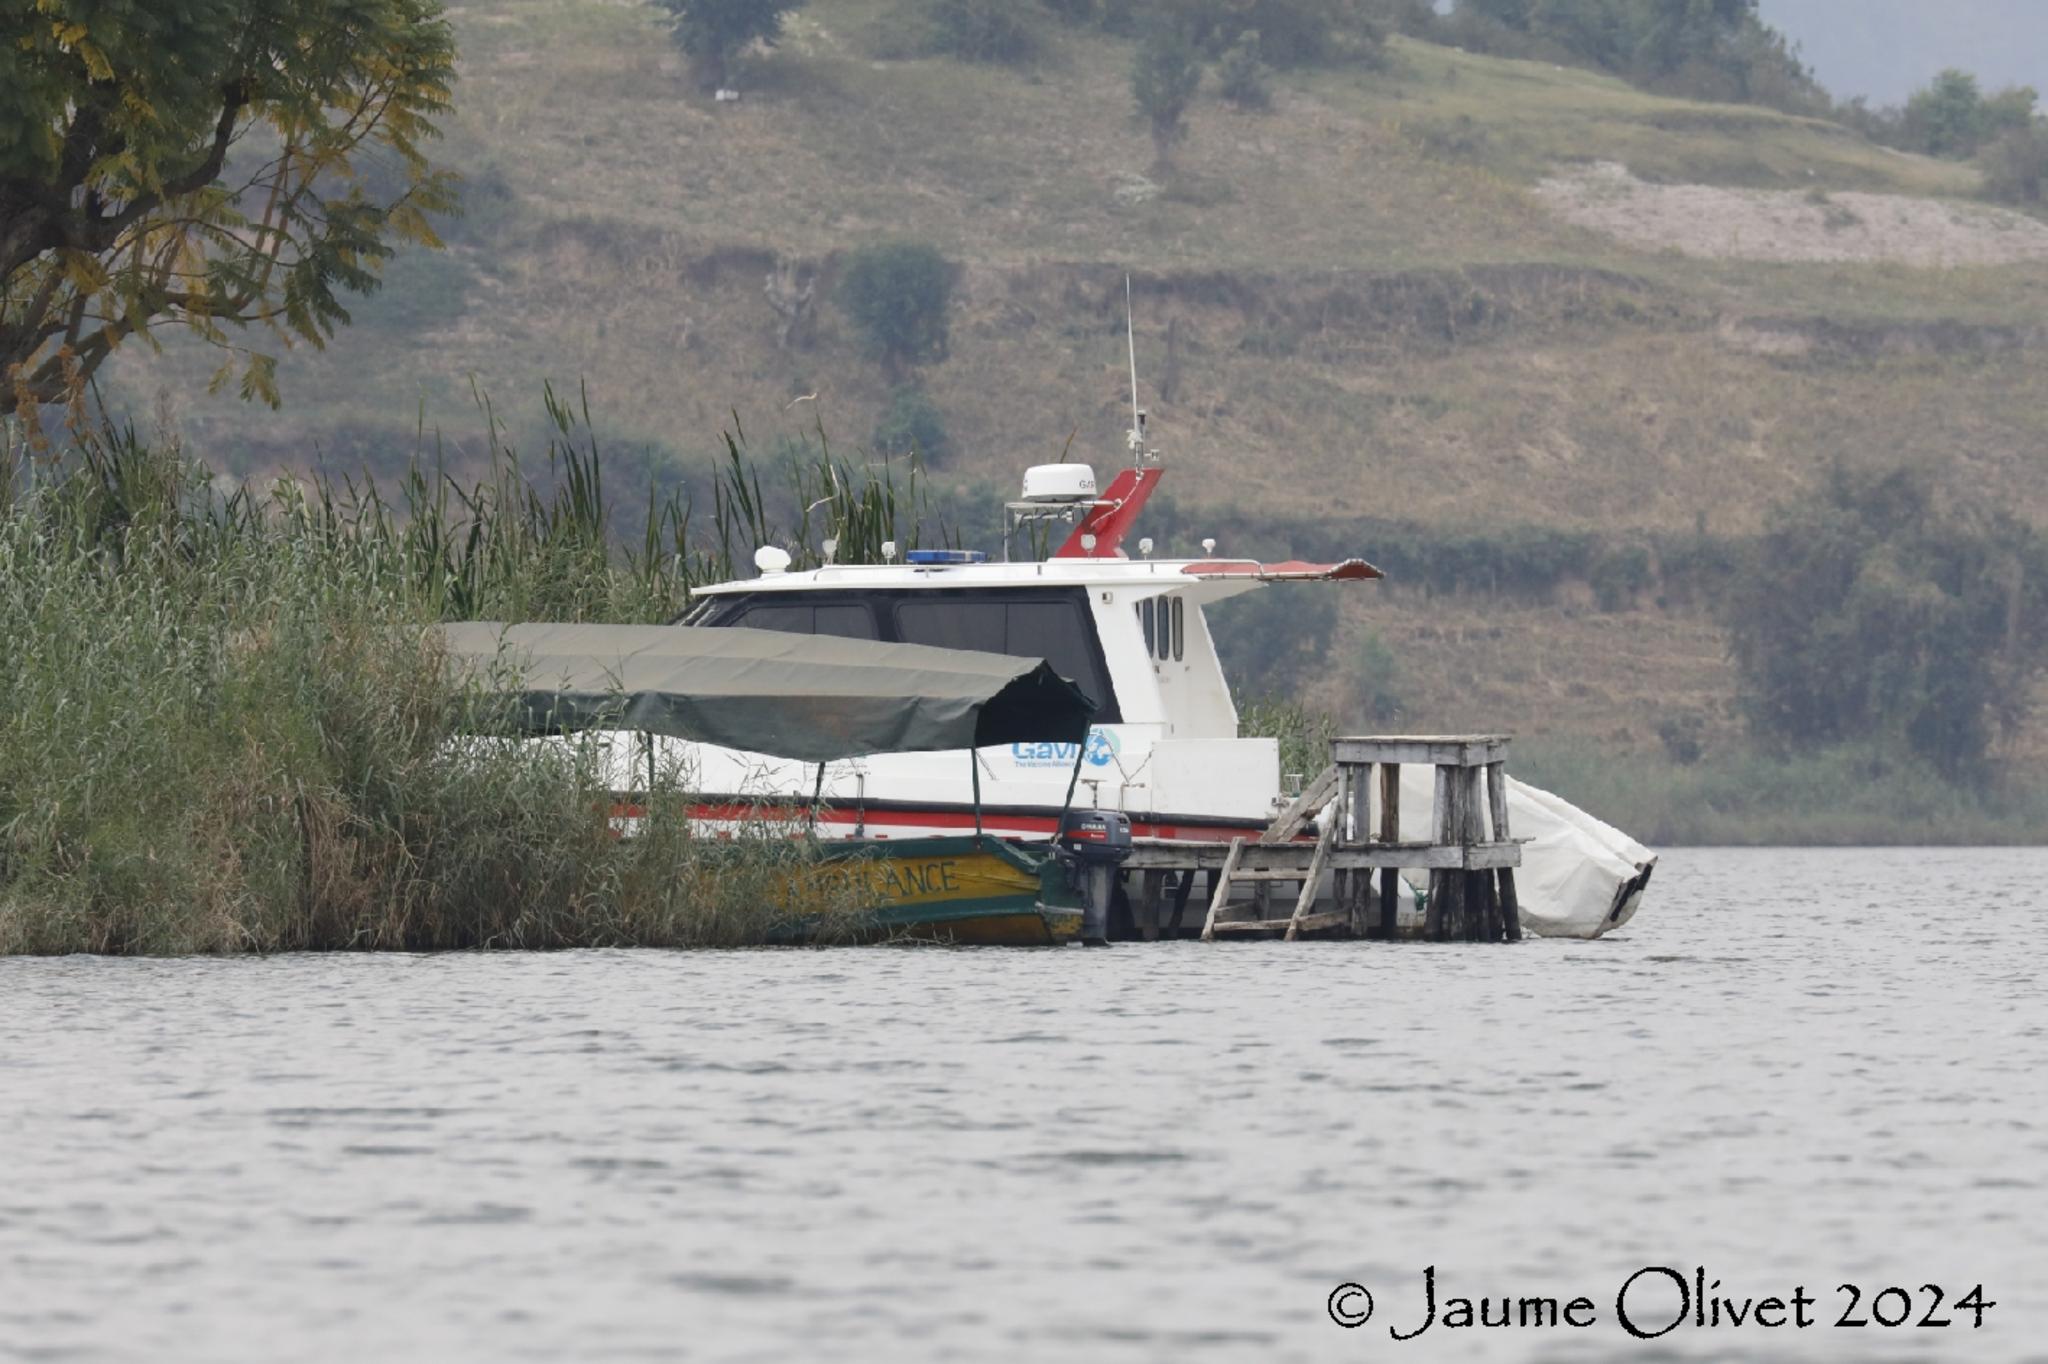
(711, 31)
(898, 295)
(1882, 611)
(1241, 76)
(981, 31)
(1376, 682)
(1164, 78)
(998, 31)
(912, 425)
(2016, 165)
(1619, 575)
(1289, 32)
(230, 727)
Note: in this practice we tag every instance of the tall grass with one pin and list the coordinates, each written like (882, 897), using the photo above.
(228, 726)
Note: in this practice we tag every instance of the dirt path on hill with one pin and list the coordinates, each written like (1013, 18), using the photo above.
(1788, 225)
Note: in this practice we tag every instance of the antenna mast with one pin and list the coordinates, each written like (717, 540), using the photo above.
(1138, 451)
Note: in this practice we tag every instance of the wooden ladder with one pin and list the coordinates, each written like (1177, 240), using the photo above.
(1233, 871)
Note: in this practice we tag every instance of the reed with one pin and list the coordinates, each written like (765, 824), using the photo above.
(228, 726)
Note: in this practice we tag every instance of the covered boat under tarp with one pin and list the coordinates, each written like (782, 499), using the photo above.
(816, 698)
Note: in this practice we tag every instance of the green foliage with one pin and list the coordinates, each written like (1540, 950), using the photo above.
(1376, 682)
(1241, 77)
(1951, 117)
(898, 295)
(1273, 640)
(1620, 575)
(980, 31)
(2016, 165)
(230, 727)
(712, 31)
(913, 425)
(119, 205)
(1164, 78)
(1882, 611)
(1288, 32)
(1854, 795)
(1305, 735)
(1707, 49)
(1946, 118)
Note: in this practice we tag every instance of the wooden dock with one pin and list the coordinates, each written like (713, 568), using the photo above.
(1471, 859)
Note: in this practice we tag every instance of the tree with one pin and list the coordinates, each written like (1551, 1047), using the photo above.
(912, 425)
(1946, 118)
(711, 32)
(1880, 610)
(1164, 78)
(1241, 76)
(212, 163)
(2016, 165)
(898, 295)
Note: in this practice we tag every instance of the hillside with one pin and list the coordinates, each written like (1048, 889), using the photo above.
(1436, 294)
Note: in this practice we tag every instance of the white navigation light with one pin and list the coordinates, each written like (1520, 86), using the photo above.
(831, 548)
(1145, 546)
(1087, 542)
(1209, 546)
(771, 560)
(888, 551)
(1059, 483)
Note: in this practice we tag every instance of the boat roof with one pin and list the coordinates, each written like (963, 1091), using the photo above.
(815, 698)
(1163, 574)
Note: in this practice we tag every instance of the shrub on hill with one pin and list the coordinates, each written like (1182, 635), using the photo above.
(1705, 49)
(1164, 78)
(1241, 76)
(1881, 610)
(997, 31)
(710, 32)
(2016, 165)
(913, 425)
(898, 294)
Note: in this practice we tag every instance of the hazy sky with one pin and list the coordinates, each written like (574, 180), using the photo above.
(1887, 48)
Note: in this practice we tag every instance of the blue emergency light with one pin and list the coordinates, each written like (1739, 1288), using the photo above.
(945, 556)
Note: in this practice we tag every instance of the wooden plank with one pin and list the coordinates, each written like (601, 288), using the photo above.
(1390, 802)
(1472, 832)
(1296, 816)
(1510, 906)
(1179, 856)
(1308, 885)
(1390, 834)
(1222, 889)
(1151, 891)
(1453, 750)
(1497, 800)
(1180, 898)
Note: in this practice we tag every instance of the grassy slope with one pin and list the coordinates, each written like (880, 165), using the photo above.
(1370, 311)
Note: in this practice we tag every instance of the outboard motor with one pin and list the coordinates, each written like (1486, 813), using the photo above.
(1098, 842)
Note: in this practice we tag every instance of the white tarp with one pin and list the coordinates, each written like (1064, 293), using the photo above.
(1579, 877)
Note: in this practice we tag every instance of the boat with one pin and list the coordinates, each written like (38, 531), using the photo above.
(1129, 631)
(813, 701)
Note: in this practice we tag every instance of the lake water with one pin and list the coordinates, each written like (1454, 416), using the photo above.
(1792, 1069)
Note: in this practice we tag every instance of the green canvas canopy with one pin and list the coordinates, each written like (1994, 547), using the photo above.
(812, 697)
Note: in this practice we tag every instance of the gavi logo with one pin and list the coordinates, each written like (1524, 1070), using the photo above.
(1100, 750)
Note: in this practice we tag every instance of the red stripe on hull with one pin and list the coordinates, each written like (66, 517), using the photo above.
(844, 822)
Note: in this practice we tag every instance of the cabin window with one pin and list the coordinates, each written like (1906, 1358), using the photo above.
(848, 620)
(1056, 629)
(1179, 635)
(1145, 621)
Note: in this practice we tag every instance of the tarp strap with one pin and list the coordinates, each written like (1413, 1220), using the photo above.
(974, 765)
(1059, 830)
